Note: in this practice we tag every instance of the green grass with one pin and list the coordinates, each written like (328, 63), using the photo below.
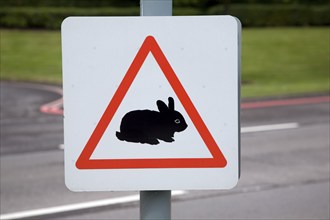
(275, 61)
(31, 56)
(281, 61)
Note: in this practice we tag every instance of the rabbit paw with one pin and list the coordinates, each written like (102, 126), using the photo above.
(167, 139)
(151, 141)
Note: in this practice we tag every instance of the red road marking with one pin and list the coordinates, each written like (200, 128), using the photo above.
(55, 107)
(285, 102)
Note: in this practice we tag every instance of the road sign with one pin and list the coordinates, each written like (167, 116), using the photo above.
(151, 103)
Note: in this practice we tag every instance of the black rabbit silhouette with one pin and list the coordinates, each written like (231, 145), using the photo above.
(147, 126)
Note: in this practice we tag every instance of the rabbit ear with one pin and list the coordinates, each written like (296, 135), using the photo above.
(162, 107)
(171, 103)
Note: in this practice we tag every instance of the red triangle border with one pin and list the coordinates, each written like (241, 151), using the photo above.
(150, 45)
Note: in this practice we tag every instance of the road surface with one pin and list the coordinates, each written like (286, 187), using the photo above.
(285, 165)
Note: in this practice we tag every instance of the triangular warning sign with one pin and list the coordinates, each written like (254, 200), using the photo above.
(85, 162)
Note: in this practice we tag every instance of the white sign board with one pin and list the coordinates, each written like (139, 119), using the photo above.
(151, 103)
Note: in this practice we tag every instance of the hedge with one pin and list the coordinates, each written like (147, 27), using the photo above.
(250, 15)
(124, 3)
(51, 18)
(277, 15)
(69, 3)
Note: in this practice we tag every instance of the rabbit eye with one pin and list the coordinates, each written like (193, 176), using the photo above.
(177, 121)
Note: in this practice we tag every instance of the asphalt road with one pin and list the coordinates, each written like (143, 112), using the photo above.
(285, 173)
(23, 128)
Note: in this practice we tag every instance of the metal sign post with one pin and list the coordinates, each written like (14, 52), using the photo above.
(181, 63)
(156, 7)
(155, 204)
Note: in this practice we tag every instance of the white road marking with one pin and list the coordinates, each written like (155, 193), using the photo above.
(77, 206)
(126, 199)
(49, 88)
(272, 127)
(259, 128)
(61, 146)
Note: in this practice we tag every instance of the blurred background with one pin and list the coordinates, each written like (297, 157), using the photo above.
(283, 40)
(284, 114)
